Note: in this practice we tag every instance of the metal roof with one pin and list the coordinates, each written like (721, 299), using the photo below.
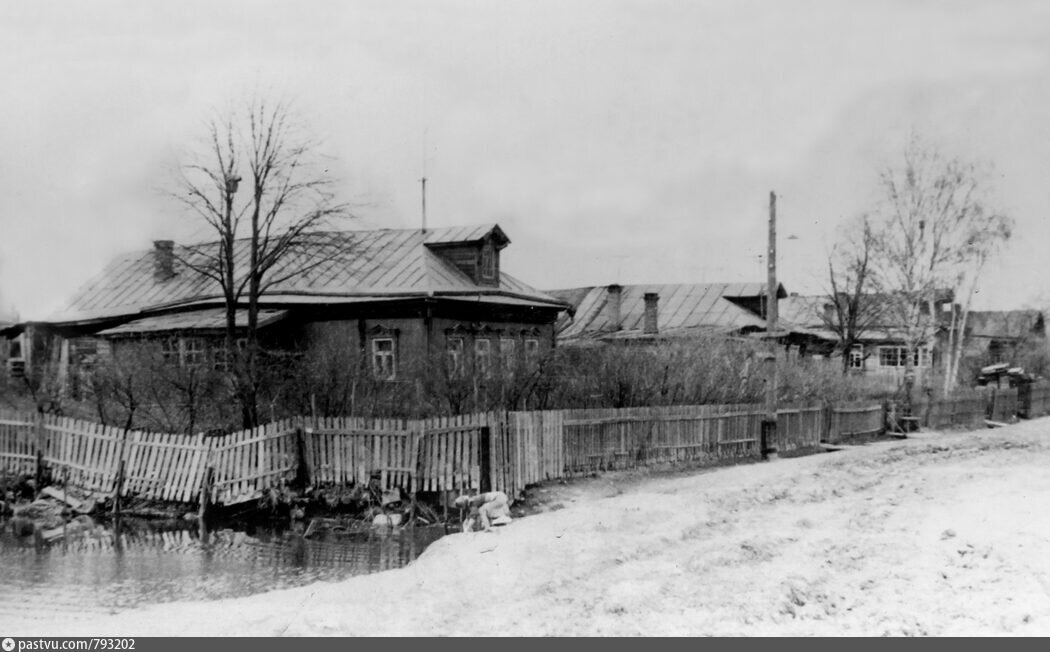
(704, 306)
(376, 263)
(209, 319)
(804, 311)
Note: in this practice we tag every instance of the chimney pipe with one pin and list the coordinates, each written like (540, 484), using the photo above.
(651, 326)
(163, 259)
(612, 305)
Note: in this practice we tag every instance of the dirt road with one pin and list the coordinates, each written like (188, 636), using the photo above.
(941, 534)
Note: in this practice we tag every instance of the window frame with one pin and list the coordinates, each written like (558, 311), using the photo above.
(532, 350)
(384, 370)
(488, 262)
(170, 350)
(483, 361)
(455, 347)
(856, 357)
(508, 351)
(193, 356)
(899, 357)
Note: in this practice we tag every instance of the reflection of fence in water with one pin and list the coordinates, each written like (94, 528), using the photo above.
(357, 553)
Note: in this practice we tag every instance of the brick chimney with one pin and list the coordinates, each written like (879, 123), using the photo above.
(612, 306)
(163, 259)
(650, 324)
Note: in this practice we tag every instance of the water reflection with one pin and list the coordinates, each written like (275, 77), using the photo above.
(105, 569)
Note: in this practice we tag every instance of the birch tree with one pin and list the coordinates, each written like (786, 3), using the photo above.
(853, 292)
(261, 187)
(934, 231)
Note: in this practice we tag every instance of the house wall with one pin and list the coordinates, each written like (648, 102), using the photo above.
(418, 337)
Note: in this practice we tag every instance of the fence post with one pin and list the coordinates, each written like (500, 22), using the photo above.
(40, 439)
(825, 431)
(118, 488)
(484, 451)
(302, 470)
(206, 490)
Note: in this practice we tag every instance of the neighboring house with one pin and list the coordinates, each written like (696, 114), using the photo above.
(881, 349)
(9, 343)
(391, 294)
(997, 335)
(645, 313)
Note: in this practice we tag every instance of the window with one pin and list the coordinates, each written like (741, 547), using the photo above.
(891, 356)
(193, 352)
(507, 349)
(384, 364)
(856, 357)
(488, 263)
(532, 351)
(482, 356)
(169, 350)
(997, 352)
(455, 356)
(14, 349)
(220, 355)
(896, 356)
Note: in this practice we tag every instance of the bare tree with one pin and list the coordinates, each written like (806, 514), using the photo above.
(853, 293)
(268, 235)
(934, 230)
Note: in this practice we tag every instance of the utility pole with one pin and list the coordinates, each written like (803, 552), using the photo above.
(768, 439)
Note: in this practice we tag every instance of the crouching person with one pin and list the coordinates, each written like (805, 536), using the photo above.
(488, 508)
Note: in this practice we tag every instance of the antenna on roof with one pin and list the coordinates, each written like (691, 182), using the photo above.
(423, 180)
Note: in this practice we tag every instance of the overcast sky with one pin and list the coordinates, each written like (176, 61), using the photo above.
(613, 141)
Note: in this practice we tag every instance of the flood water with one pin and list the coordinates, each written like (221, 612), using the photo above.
(101, 572)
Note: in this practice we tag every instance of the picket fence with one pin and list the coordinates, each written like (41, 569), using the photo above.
(504, 451)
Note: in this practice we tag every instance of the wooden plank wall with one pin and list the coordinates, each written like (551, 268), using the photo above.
(161, 466)
(449, 457)
(849, 420)
(1040, 400)
(18, 443)
(249, 462)
(438, 454)
(346, 450)
(82, 454)
(800, 427)
(597, 440)
(959, 411)
(1003, 404)
(444, 454)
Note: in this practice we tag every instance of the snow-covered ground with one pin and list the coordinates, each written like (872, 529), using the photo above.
(940, 534)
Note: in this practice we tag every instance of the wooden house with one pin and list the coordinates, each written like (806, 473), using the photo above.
(391, 295)
(649, 313)
(998, 336)
(882, 348)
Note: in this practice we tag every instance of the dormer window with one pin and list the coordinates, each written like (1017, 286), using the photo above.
(488, 263)
(476, 256)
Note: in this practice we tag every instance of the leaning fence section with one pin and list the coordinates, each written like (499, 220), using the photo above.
(161, 466)
(82, 454)
(248, 463)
